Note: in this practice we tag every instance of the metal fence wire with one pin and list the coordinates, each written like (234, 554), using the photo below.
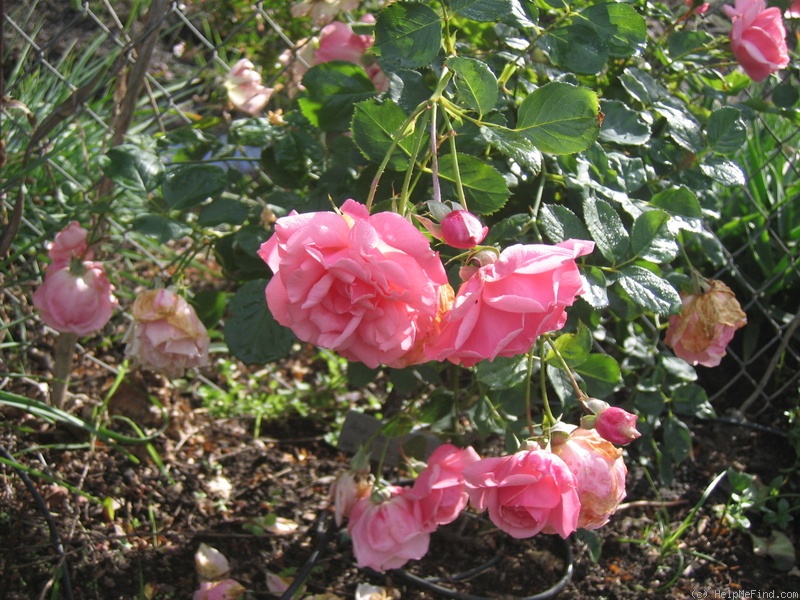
(100, 71)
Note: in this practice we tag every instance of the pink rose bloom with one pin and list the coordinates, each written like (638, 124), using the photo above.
(166, 334)
(388, 533)
(617, 425)
(793, 12)
(366, 286)
(462, 229)
(244, 87)
(76, 300)
(758, 38)
(600, 471)
(227, 589)
(347, 490)
(68, 244)
(504, 306)
(439, 490)
(701, 332)
(338, 41)
(530, 492)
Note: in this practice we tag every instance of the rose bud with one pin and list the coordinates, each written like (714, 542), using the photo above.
(616, 425)
(462, 229)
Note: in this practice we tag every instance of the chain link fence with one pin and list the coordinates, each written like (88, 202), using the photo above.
(92, 73)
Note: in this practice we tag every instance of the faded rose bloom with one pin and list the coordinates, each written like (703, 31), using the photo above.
(348, 488)
(367, 286)
(323, 11)
(505, 305)
(297, 62)
(166, 334)
(227, 589)
(758, 38)
(600, 471)
(617, 425)
(69, 243)
(705, 326)
(530, 492)
(210, 563)
(76, 299)
(244, 87)
(439, 490)
(462, 229)
(387, 533)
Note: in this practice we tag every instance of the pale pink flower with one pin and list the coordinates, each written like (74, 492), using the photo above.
(600, 471)
(617, 425)
(758, 38)
(338, 42)
(69, 243)
(166, 334)
(439, 489)
(367, 286)
(527, 493)
(701, 332)
(245, 90)
(387, 532)
(505, 305)
(210, 563)
(348, 488)
(793, 12)
(76, 299)
(323, 11)
(462, 229)
(227, 589)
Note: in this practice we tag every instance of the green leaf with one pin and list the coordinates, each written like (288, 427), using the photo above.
(726, 132)
(596, 293)
(607, 228)
(578, 48)
(642, 86)
(622, 29)
(649, 290)
(574, 348)
(601, 374)
(161, 228)
(502, 373)
(622, 125)
(407, 36)
(485, 188)
(692, 400)
(258, 132)
(679, 201)
(481, 10)
(332, 90)
(514, 145)
(683, 43)
(210, 306)
(475, 83)
(559, 224)
(251, 332)
(652, 239)
(133, 169)
(187, 185)
(223, 211)
(374, 127)
(682, 127)
(677, 439)
(723, 171)
(560, 118)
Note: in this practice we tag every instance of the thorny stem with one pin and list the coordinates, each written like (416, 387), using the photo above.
(537, 202)
(528, 409)
(549, 420)
(411, 162)
(65, 348)
(456, 171)
(437, 190)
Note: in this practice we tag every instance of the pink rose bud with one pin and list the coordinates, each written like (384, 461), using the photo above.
(705, 326)
(166, 334)
(210, 563)
(244, 87)
(758, 38)
(600, 471)
(527, 493)
(617, 425)
(462, 229)
(346, 490)
(227, 589)
(77, 299)
(387, 533)
(69, 244)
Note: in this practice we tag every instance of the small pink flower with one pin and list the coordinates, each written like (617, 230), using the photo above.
(244, 87)
(69, 243)
(367, 286)
(617, 425)
(439, 490)
(166, 334)
(462, 229)
(505, 305)
(527, 493)
(348, 488)
(705, 326)
(387, 533)
(227, 589)
(793, 12)
(323, 11)
(76, 299)
(600, 471)
(338, 41)
(758, 38)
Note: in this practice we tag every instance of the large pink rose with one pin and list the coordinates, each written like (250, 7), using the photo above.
(758, 38)
(68, 244)
(76, 299)
(600, 471)
(166, 334)
(439, 490)
(705, 326)
(367, 286)
(504, 306)
(388, 533)
(530, 492)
